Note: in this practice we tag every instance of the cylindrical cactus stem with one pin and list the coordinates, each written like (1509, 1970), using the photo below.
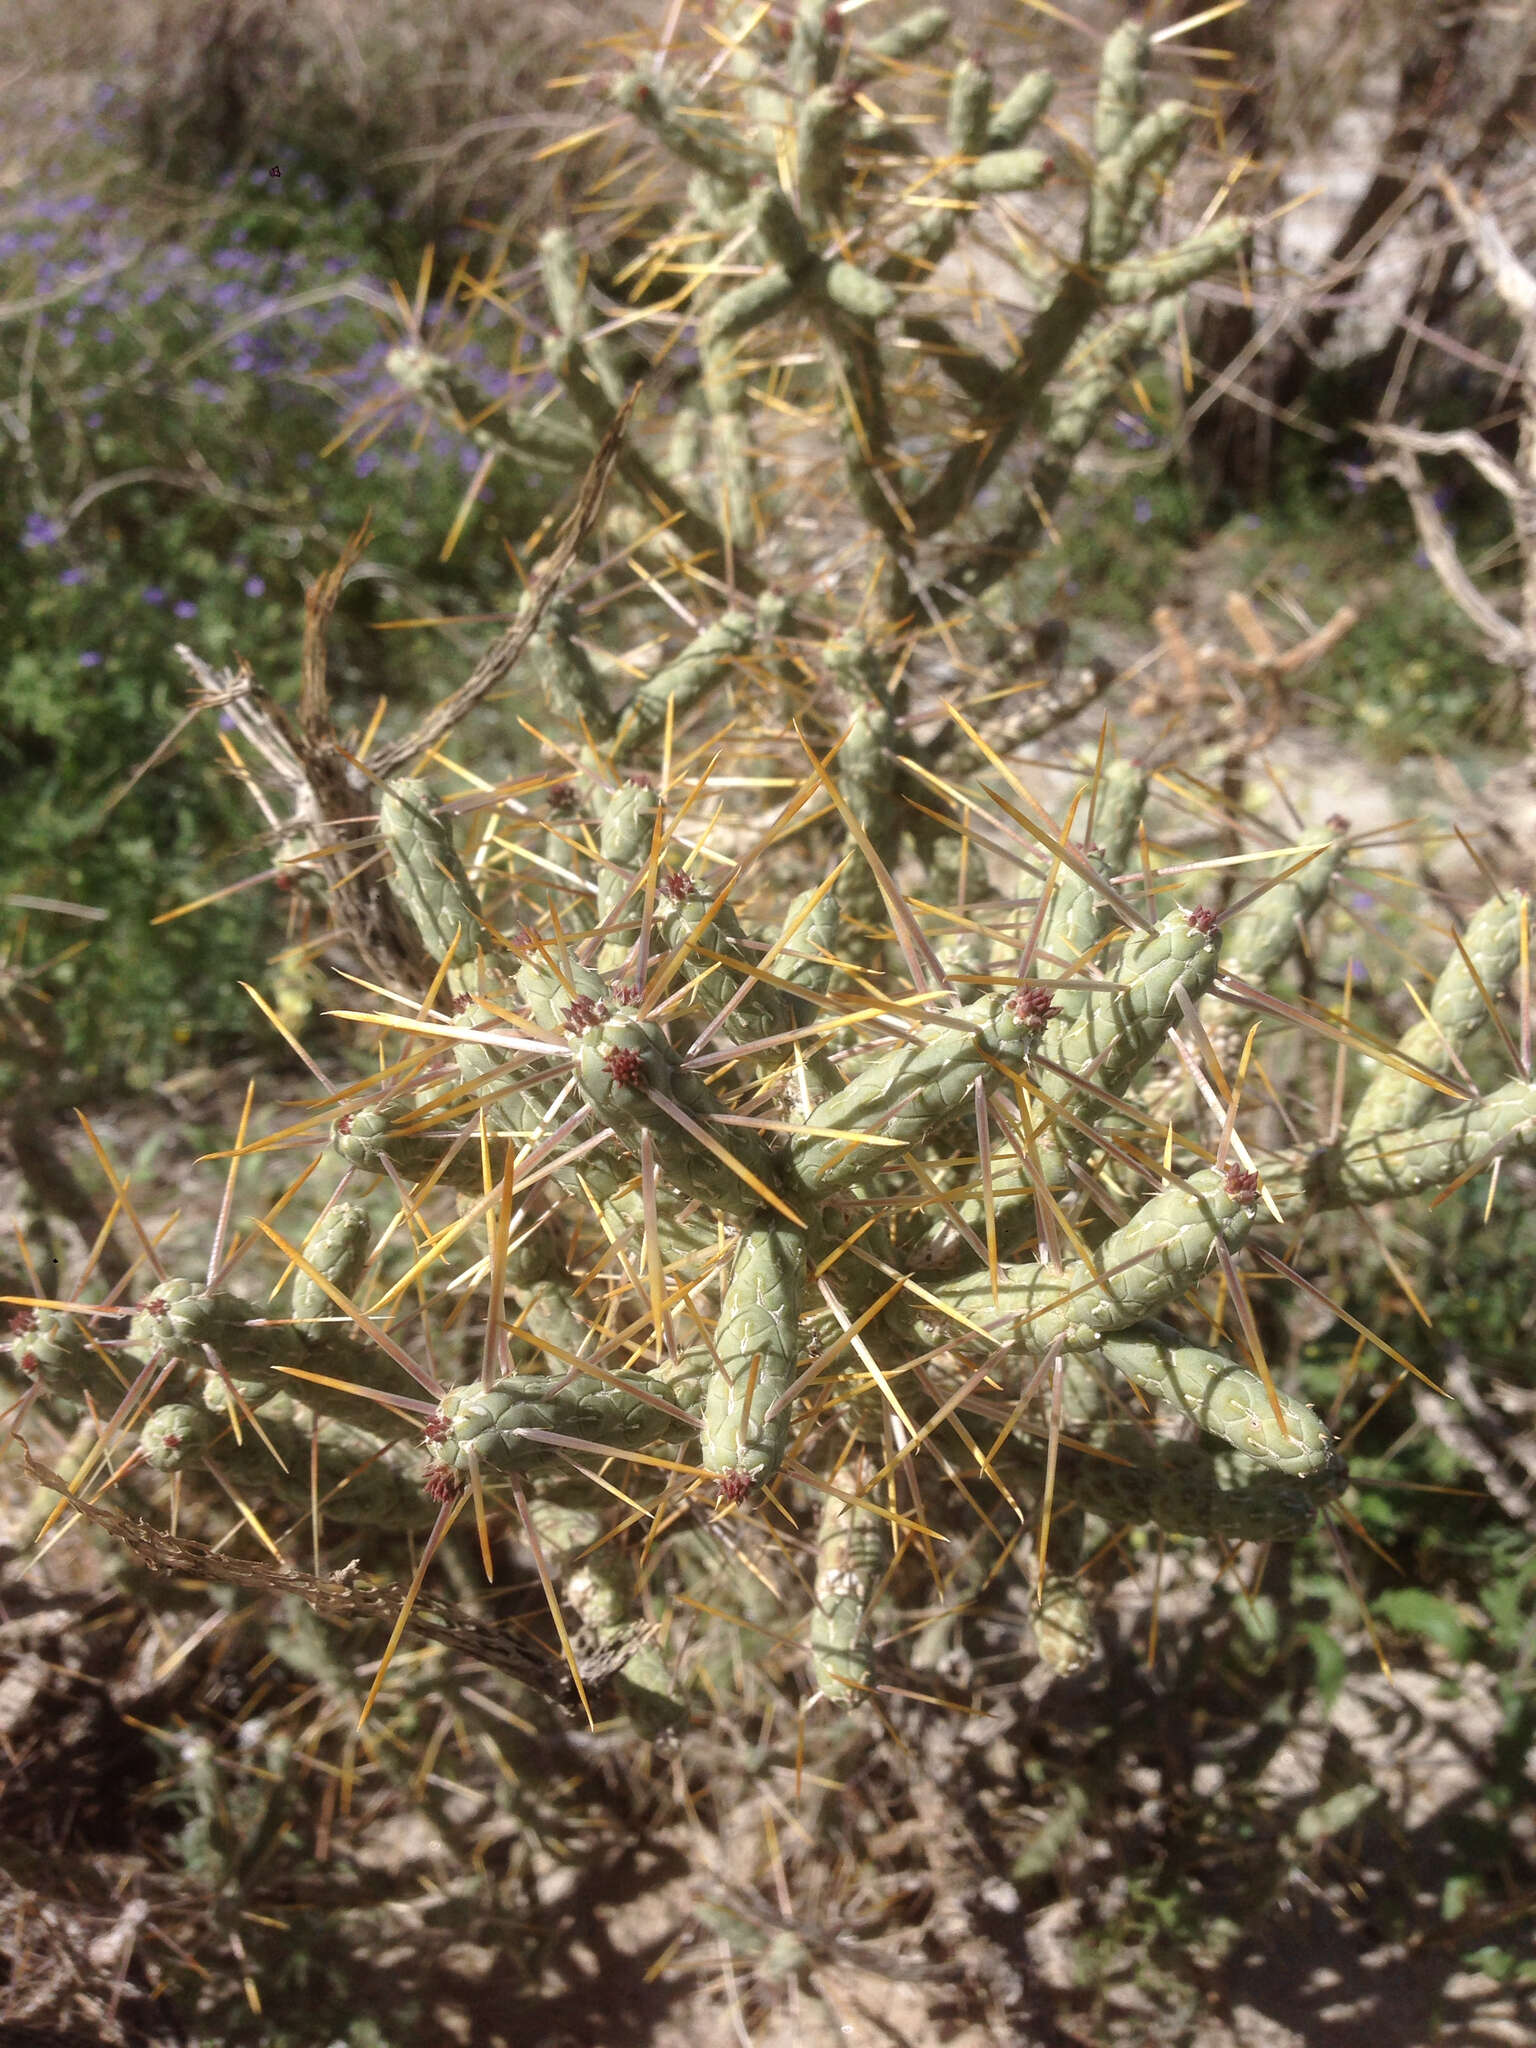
(697, 144)
(1115, 1032)
(183, 1323)
(626, 1070)
(1197, 1489)
(821, 146)
(1257, 942)
(604, 1419)
(970, 102)
(1019, 110)
(852, 1553)
(53, 1349)
(1004, 170)
(1079, 916)
(1221, 1397)
(603, 1590)
(1122, 86)
(757, 1342)
(814, 44)
(747, 306)
(1119, 799)
(338, 1248)
(684, 681)
(457, 400)
(360, 1481)
(1151, 1261)
(563, 266)
(909, 38)
(1065, 1638)
(1391, 1164)
(428, 879)
(625, 838)
(1395, 1101)
(572, 686)
(1127, 182)
(912, 1090)
(379, 1135)
(174, 1436)
(1170, 271)
(688, 914)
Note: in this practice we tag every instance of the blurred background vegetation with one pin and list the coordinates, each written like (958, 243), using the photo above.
(211, 215)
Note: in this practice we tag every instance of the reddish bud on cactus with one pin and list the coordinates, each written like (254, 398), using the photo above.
(734, 1488)
(1201, 919)
(458, 1004)
(675, 885)
(1241, 1185)
(434, 1429)
(442, 1484)
(283, 881)
(584, 1012)
(22, 1319)
(624, 1066)
(625, 991)
(562, 797)
(155, 1306)
(28, 1362)
(1032, 1006)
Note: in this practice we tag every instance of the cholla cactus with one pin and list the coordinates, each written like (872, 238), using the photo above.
(796, 1122)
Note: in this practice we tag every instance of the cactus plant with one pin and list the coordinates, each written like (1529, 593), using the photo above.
(798, 1213)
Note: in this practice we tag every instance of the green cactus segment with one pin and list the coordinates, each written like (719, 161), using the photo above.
(1116, 1031)
(1413, 1162)
(604, 1593)
(1005, 170)
(1197, 1489)
(970, 99)
(571, 685)
(1151, 1261)
(428, 878)
(905, 1095)
(763, 1011)
(909, 38)
(1172, 270)
(1119, 799)
(1395, 1101)
(175, 1436)
(610, 1420)
(1064, 1633)
(852, 1553)
(626, 1070)
(1259, 940)
(821, 145)
(1122, 86)
(757, 1342)
(183, 1320)
(383, 1135)
(736, 313)
(626, 836)
(339, 1250)
(458, 400)
(1222, 1398)
(53, 1350)
(359, 1483)
(684, 681)
(1020, 109)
